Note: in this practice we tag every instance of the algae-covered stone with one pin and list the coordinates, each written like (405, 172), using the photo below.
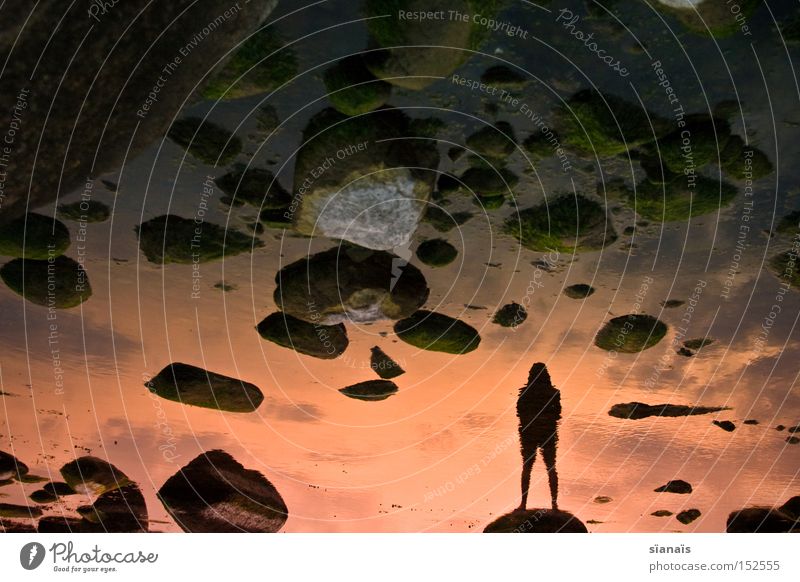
(19, 511)
(371, 390)
(436, 252)
(206, 141)
(320, 341)
(352, 89)
(489, 182)
(90, 475)
(34, 236)
(578, 291)
(383, 365)
(698, 343)
(435, 332)
(745, 162)
(596, 123)
(494, 142)
(216, 494)
(275, 218)
(173, 239)
(119, 510)
(85, 211)
(199, 387)
(60, 283)
(678, 200)
(350, 284)
(784, 266)
(362, 179)
(639, 410)
(541, 145)
(567, 224)
(43, 496)
(510, 315)
(254, 186)
(503, 77)
(536, 521)
(261, 64)
(630, 334)
(444, 221)
(789, 224)
(412, 57)
(698, 144)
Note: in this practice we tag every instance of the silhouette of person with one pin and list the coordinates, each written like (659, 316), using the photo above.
(539, 410)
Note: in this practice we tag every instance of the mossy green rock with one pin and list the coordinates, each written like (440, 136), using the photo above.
(444, 221)
(436, 252)
(85, 211)
(435, 332)
(789, 224)
(61, 283)
(489, 182)
(320, 341)
(255, 186)
(704, 143)
(411, 58)
(173, 239)
(510, 315)
(350, 283)
(567, 224)
(261, 64)
(34, 236)
(275, 218)
(745, 162)
(216, 494)
(496, 142)
(596, 123)
(352, 89)
(578, 291)
(630, 334)
(371, 390)
(91, 475)
(199, 387)
(677, 200)
(19, 511)
(206, 141)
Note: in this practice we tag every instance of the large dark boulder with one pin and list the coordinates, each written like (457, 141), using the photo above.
(536, 521)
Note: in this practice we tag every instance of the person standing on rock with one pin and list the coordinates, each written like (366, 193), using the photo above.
(539, 410)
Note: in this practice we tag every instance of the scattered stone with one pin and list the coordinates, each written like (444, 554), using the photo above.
(371, 390)
(630, 334)
(536, 521)
(59, 488)
(603, 499)
(510, 315)
(198, 387)
(118, 510)
(503, 77)
(675, 486)
(750, 421)
(353, 89)
(725, 425)
(579, 291)
(638, 410)
(793, 440)
(496, 142)
(214, 494)
(780, 428)
(384, 366)
(697, 344)
(173, 239)
(11, 467)
(34, 236)
(43, 496)
(90, 475)
(436, 252)
(208, 142)
(444, 221)
(688, 516)
(254, 186)
(661, 513)
(85, 211)
(319, 341)
(32, 279)
(435, 332)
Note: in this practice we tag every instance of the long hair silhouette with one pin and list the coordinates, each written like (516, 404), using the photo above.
(539, 410)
